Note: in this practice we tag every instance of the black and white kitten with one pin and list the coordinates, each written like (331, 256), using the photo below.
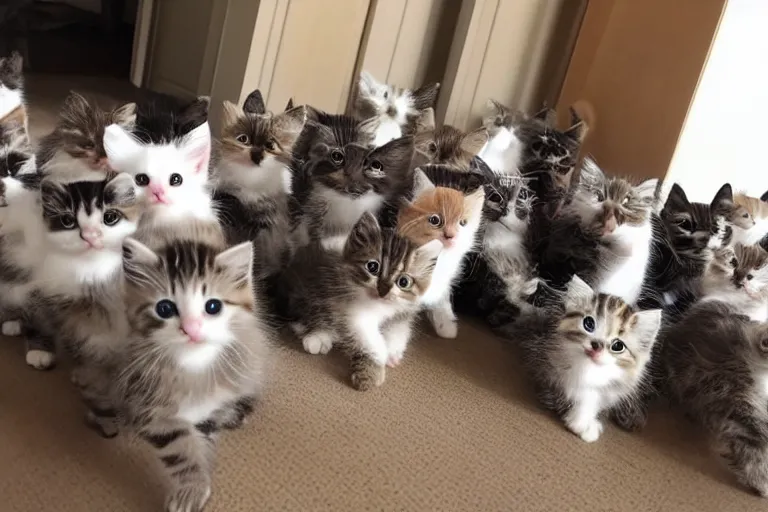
(12, 103)
(504, 150)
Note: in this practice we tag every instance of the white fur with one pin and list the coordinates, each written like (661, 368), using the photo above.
(197, 411)
(503, 152)
(625, 280)
(271, 178)
(11, 328)
(365, 319)
(318, 342)
(70, 168)
(10, 100)
(344, 211)
(752, 235)
(40, 359)
(388, 129)
(756, 310)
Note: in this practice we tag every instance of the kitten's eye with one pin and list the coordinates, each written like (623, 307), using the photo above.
(734, 262)
(588, 323)
(88, 146)
(617, 346)
(463, 222)
(213, 307)
(376, 166)
(523, 194)
(337, 156)
(495, 197)
(269, 145)
(111, 217)
(386, 95)
(67, 221)
(404, 282)
(165, 309)
(435, 220)
(686, 225)
(142, 180)
(432, 147)
(625, 201)
(750, 277)
(176, 179)
(746, 215)
(372, 267)
(599, 195)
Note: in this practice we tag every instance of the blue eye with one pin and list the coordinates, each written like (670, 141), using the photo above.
(213, 307)
(166, 309)
(589, 324)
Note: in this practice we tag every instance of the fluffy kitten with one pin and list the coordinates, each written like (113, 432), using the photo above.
(75, 148)
(604, 235)
(498, 278)
(589, 358)
(347, 179)
(449, 146)
(77, 297)
(196, 355)
(363, 300)
(504, 150)
(454, 218)
(12, 104)
(716, 363)
(398, 111)
(758, 213)
(253, 180)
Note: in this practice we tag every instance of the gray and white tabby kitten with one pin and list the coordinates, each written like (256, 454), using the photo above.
(77, 298)
(504, 150)
(363, 300)
(398, 112)
(253, 180)
(75, 149)
(589, 358)
(195, 358)
(13, 106)
(716, 363)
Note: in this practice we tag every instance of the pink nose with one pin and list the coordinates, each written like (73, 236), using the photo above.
(158, 192)
(193, 328)
(92, 236)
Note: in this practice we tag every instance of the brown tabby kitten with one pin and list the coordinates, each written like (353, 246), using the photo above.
(716, 363)
(76, 145)
(195, 358)
(588, 358)
(449, 146)
(363, 300)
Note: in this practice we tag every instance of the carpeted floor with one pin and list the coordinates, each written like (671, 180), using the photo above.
(455, 428)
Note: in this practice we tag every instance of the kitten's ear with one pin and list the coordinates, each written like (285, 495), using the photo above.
(764, 197)
(231, 113)
(578, 130)
(367, 85)
(125, 115)
(425, 96)
(14, 64)
(647, 190)
(395, 154)
(724, 196)
(75, 108)
(121, 148)
(136, 258)
(51, 188)
(120, 190)
(367, 128)
(677, 200)
(237, 262)
(426, 120)
(289, 105)
(646, 327)
(196, 113)
(196, 147)
(579, 294)
(365, 233)
(254, 103)
(421, 183)
(474, 202)
(291, 122)
(474, 141)
(530, 286)
(590, 175)
(430, 251)
(547, 115)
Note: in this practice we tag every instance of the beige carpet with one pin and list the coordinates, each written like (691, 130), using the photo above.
(453, 429)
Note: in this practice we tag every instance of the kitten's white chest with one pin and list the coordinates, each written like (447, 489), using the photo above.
(625, 279)
(195, 411)
(752, 235)
(502, 152)
(446, 270)
(499, 238)
(10, 100)
(344, 211)
(388, 130)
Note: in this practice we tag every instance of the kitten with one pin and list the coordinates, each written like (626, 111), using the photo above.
(504, 150)
(253, 182)
(738, 276)
(716, 363)
(757, 209)
(605, 235)
(398, 111)
(196, 355)
(454, 218)
(363, 300)
(347, 179)
(449, 146)
(12, 104)
(77, 297)
(75, 148)
(498, 278)
(589, 358)
(169, 156)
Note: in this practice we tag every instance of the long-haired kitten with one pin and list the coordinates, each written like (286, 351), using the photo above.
(253, 179)
(168, 155)
(12, 103)
(738, 276)
(77, 297)
(454, 218)
(347, 179)
(589, 358)
(758, 213)
(716, 363)
(398, 111)
(362, 300)
(195, 357)
(449, 146)
(504, 150)
(75, 148)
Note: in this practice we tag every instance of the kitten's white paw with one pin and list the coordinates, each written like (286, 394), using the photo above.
(318, 342)
(11, 328)
(40, 359)
(298, 328)
(445, 325)
(189, 498)
(588, 431)
(394, 359)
